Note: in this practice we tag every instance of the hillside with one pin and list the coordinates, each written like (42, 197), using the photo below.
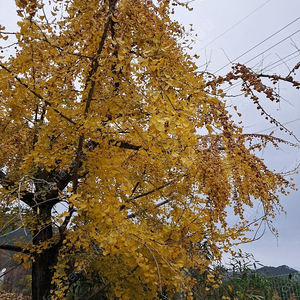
(275, 271)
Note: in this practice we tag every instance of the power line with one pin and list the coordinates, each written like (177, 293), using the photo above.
(286, 61)
(233, 26)
(260, 44)
(240, 81)
(272, 47)
(282, 60)
(292, 121)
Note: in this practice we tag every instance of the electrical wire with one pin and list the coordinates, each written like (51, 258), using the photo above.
(233, 26)
(282, 60)
(276, 127)
(286, 61)
(272, 47)
(240, 81)
(260, 44)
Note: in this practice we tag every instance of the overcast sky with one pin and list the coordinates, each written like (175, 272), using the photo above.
(225, 31)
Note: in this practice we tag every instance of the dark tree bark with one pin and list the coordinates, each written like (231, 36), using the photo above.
(42, 262)
(41, 203)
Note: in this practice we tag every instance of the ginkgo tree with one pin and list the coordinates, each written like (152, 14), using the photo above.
(115, 156)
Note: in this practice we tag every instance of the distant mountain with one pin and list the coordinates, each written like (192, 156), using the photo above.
(274, 271)
(15, 235)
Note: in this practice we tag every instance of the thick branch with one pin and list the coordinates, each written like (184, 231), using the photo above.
(125, 145)
(94, 68)
(14, 248)
(63, 227)
(26, 197)
(62, 178)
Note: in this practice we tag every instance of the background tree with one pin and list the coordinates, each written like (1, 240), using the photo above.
(117, 155)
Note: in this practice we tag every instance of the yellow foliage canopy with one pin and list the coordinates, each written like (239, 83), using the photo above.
(103, 111)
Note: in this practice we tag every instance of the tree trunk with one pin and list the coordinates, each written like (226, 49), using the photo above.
(42, 265)
(42, 275)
